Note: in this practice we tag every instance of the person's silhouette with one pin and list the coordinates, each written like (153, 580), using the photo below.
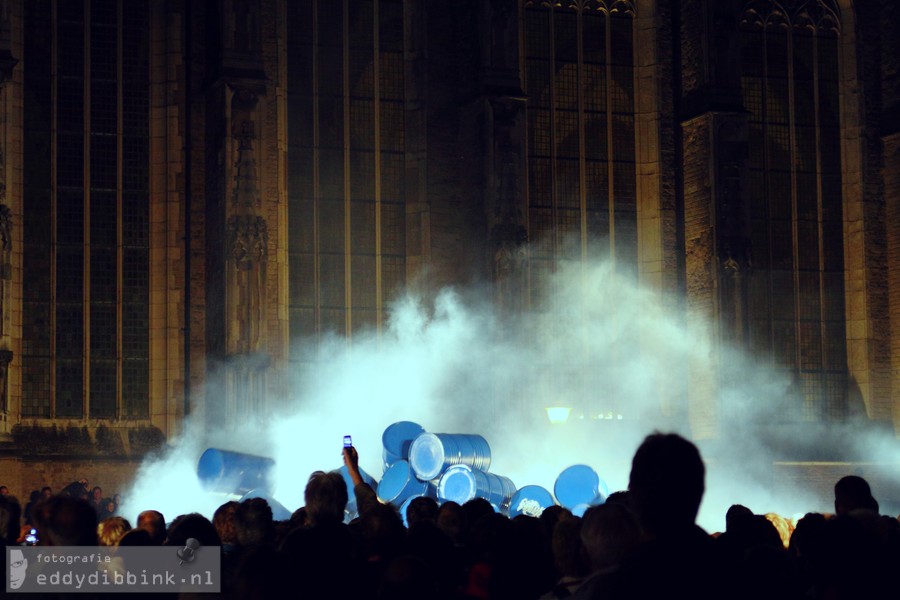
(676, 558)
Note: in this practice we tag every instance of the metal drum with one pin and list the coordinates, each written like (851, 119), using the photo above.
(235, 473)
(461, 483)
(432, 453)
(530, 500)
(399, 483)
(579, 484)
(396, 440)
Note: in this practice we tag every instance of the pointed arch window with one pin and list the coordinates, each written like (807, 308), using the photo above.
(86, 218)
(581, 151)
(346, 153)
(790, 83)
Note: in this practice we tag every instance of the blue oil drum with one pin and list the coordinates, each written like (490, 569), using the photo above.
(461, 483)
(432, 453)
(530, 500)
(396, 440)
(399, 483)
(235, 473)
(579, 484)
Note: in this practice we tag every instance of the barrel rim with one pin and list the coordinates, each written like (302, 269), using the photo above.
(435, 448)
(470, 478)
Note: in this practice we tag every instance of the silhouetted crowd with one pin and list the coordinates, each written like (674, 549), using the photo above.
(641, 543)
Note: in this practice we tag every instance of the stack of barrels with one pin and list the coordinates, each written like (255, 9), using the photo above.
(455, 467)
(444, 466)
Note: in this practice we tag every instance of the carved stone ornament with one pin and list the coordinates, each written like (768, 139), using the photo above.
(249, 240)
(243, 130)
(607, 6)
(822, 16)
(509, 242)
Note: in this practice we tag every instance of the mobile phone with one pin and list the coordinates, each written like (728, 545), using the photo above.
(31, 539)
(348, 441)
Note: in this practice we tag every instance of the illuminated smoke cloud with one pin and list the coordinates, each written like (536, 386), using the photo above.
(598, 344)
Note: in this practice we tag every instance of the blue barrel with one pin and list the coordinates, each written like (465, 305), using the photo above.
(431, 453)
(530, 500)
(351, 511)
(579, 484)
(236, 473)
(461, 483)
(399, 483)
(279, 512)
(397, 439)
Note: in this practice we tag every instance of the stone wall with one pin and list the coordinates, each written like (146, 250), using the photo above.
(892, 220)
(23, 475)
(818, 479)
(700, 267)
(58, 455)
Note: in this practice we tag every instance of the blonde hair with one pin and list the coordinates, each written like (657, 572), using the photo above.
(784, 526)
(111, 529)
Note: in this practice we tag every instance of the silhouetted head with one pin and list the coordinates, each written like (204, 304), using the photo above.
(734, 514)
(136, 537)
(223, 521)
(808, 534)
(111, 529)
(382, 532)
(852, 492)
(153, 522)
(420, 509)
(192, 525)
(10, 513)
(609, 533)
(477, 508)
(666, 483)
(298, 518)
(452, 521)
(550, 516)
(253, 522)
(325, 497)
(568, 550)
(619, 497)
(66, 521)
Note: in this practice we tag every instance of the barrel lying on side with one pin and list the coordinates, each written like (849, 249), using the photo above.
(432, 453)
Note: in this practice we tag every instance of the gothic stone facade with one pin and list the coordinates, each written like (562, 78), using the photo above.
(265, 170)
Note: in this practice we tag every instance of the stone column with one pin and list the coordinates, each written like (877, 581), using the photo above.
(7, 63)
(892, 213)
(503, 102)
(508, 237)
(238, 228)
(716, 219)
